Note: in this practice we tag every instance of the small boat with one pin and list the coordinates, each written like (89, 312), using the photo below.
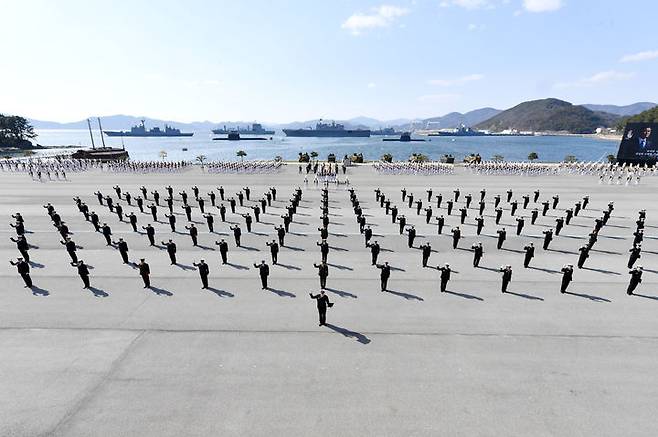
(184, 149)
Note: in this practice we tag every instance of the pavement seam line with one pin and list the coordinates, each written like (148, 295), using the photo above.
(91, 393)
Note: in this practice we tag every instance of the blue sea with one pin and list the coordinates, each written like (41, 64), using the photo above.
(549, 148)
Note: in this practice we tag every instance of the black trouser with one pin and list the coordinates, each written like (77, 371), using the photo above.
(263, 281)
(526, 261)
(443, 285)
(323, 282)
(204, 281)
(281, 241)
(504, 287)
(151, 240)
(134, 225)
(322, 312)
(374, 258)
(476, 261)
(210, 227)
(108, 240)
(194, 240)
(237, 241)
(26, 256)
(85, 280)
(384, 283)
(631, 287)
(147, 280)
(172, 257)
(74, 257)
(124, 257)
(324, 256)
(425, 259)
(27, 279)
(223, 254)
(565, 284)
(274, 257)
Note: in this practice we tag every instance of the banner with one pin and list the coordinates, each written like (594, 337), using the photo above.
(639, 144)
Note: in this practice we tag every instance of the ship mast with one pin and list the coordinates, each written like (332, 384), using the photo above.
(100, 128)
(91, 135)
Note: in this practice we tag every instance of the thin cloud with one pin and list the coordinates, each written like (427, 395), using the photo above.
(457, 81)
(372, 85)
(439, 97)
(596, 79)
(542, 5)
(380, 16)
(468, 4)
(641, 56)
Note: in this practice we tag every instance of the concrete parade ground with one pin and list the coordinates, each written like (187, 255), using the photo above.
(176, 360)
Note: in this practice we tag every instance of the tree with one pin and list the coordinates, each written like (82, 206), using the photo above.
(570, 159)
(278, 158)
(163, 154)
(241, 154)
(314, 154)
(418, 157)
(498, 158)
(201, 159)
(532, 156)
(387, 157)
(611, 158)
(16, 128)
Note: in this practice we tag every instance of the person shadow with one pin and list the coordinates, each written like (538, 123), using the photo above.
(347, 333)
(36, 265)
(237, 266)
(588, 296)
(281, 293)
(646, 296)
(542, 269)
(161, 291)
(38, 291)
(341, 293)
(221, 293)
(287, 266)
(607, 272)
(525, 296)
(464, 295)
(340, 267)
(406, 295)
(98, 292)
(184, 267)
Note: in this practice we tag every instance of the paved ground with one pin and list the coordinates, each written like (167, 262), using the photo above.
(236, 360)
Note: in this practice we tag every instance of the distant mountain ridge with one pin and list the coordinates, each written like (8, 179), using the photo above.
(549, 115)
(447, 121)
(456, 119)
(648, 116)
(624, 111)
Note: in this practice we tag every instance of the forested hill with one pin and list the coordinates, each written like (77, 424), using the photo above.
(549, 115)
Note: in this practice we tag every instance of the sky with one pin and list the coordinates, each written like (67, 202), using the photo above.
(288, 60)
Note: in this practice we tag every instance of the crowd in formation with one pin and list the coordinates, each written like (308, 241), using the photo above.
(141, 208)
(46, 169)
(414, 168)
(513, 168)
(264, 166)
(145, 166)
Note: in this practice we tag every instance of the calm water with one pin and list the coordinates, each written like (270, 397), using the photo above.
(512, 148)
